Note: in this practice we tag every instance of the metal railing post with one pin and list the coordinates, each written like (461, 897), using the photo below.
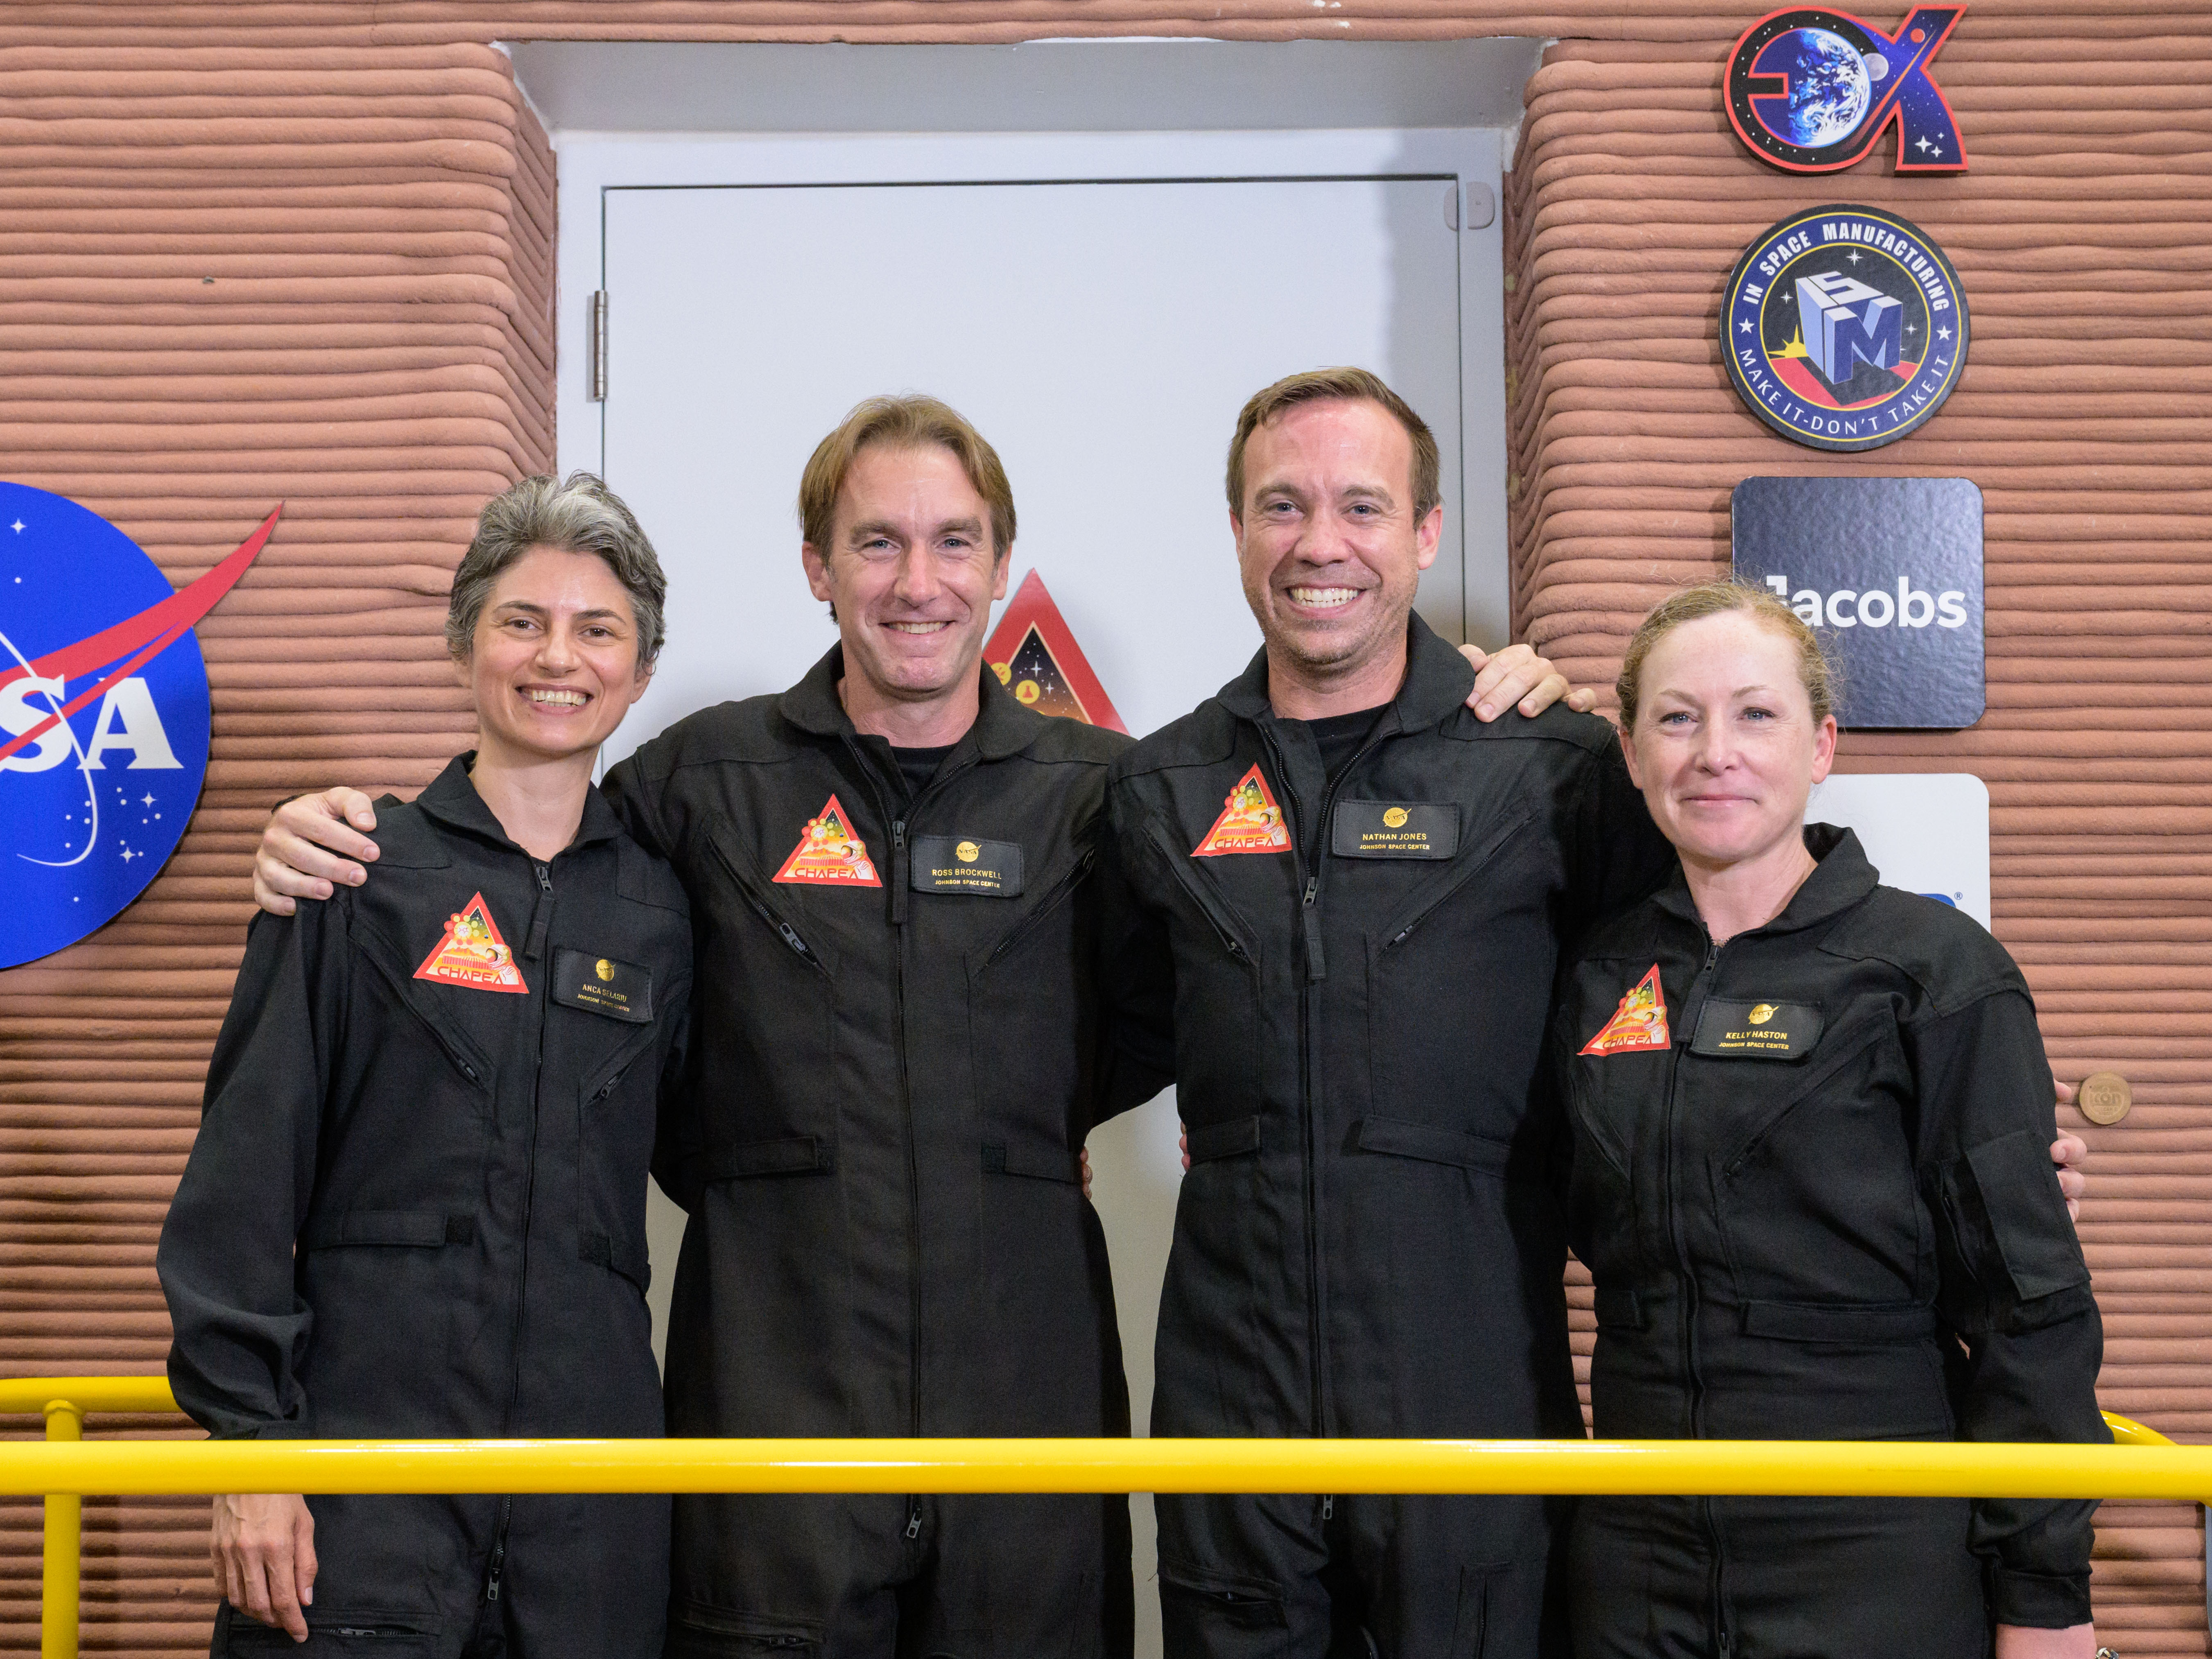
(60, 1586)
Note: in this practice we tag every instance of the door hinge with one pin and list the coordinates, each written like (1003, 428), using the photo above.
(596, 369)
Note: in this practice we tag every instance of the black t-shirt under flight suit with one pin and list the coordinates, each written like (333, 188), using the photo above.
(1354, 978)
(899, 1057)
(1812, 1183)
(416, 1209)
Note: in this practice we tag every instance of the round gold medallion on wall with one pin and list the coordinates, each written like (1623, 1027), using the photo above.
(2104, 1097)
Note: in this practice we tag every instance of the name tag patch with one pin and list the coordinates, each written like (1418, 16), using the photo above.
(1758, 1030)
(964, 863)
(601, 985)
(1394, 830)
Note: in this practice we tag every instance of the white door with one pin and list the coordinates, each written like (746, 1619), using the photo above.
(1103, 336)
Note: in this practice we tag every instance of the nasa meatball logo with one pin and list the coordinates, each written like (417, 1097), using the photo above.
(104, 715)
(1845, 328)
(1812, 90)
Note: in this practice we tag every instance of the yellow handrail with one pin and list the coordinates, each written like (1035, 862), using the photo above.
(2143, 1464)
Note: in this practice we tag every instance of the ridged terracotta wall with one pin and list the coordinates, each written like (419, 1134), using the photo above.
(232, 276)
(375, 206)
(2082, 235)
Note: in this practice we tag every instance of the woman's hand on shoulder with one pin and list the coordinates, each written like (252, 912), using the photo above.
(310, 842)
(2025, 1642)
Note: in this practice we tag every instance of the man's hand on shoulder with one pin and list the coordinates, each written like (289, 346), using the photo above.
(309, 845)
(1517, 673)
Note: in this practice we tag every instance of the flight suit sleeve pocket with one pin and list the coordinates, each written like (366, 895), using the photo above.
(1212, 1140)
(792, 1155)
(1430, 1145)
(2019, 1191)
(419, 1229)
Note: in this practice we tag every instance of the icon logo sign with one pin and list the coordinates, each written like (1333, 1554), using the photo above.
(473, 954)
(1639, 1023)
(1845, 328)
(829, 854)
(1812, 90)
(1035, 657)
(104, 715)
(1251, 822)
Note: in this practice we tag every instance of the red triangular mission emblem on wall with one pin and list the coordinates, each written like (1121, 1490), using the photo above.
(829, 853)
(1640, 1022)
(1251, 822)
(1036, 658)
(472, 953)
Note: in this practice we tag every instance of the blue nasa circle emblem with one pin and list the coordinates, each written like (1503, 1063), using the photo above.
(1845, 327)
(1812, 90)
(92, 802)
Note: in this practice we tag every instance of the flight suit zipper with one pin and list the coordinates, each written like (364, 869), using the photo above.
(901, 858)
(1693, 1003)
(541, 925)
(1314, 969)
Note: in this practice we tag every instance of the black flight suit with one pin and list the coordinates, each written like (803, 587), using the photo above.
(416, 1210)
(1367, 1243)
(893, 1079)
(1820, 1205)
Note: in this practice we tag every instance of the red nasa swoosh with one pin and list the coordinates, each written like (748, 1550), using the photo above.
(141, 638)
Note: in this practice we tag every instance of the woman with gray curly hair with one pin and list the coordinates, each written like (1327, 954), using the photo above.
(416, 1205)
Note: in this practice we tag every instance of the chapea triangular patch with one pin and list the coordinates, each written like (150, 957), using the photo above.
(471, 953)
(1251, 822)
(829, 854)
(1639, 1023)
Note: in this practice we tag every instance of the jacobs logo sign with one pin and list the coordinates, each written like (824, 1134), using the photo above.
(1843, 327)
(103, 716)
(1812, 90)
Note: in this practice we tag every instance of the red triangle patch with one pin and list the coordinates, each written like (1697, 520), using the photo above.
(829, 854)
(472, 953)
(1251, 822)
(1640, 1022)
(1036, 658)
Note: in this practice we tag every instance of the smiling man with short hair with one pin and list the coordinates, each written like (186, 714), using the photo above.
(1343, 894)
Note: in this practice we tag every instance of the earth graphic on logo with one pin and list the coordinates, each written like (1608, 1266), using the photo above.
(1829, 86)
(104, 716)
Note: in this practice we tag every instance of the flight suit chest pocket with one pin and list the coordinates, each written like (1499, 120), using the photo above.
(1032, 1014)
(1217, 972)
(766, 1011)
(1812, 1168)
(432, 1077)
(1451, 946)
(616, 1107)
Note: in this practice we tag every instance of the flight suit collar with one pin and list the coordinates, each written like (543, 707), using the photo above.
(1841, 878)
(1002, 727)
(452, 801)
(1437, 680)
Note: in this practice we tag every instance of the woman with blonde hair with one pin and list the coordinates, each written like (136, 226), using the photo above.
(1810, 1115)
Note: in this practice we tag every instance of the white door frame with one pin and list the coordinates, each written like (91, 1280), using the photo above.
(591, 164)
